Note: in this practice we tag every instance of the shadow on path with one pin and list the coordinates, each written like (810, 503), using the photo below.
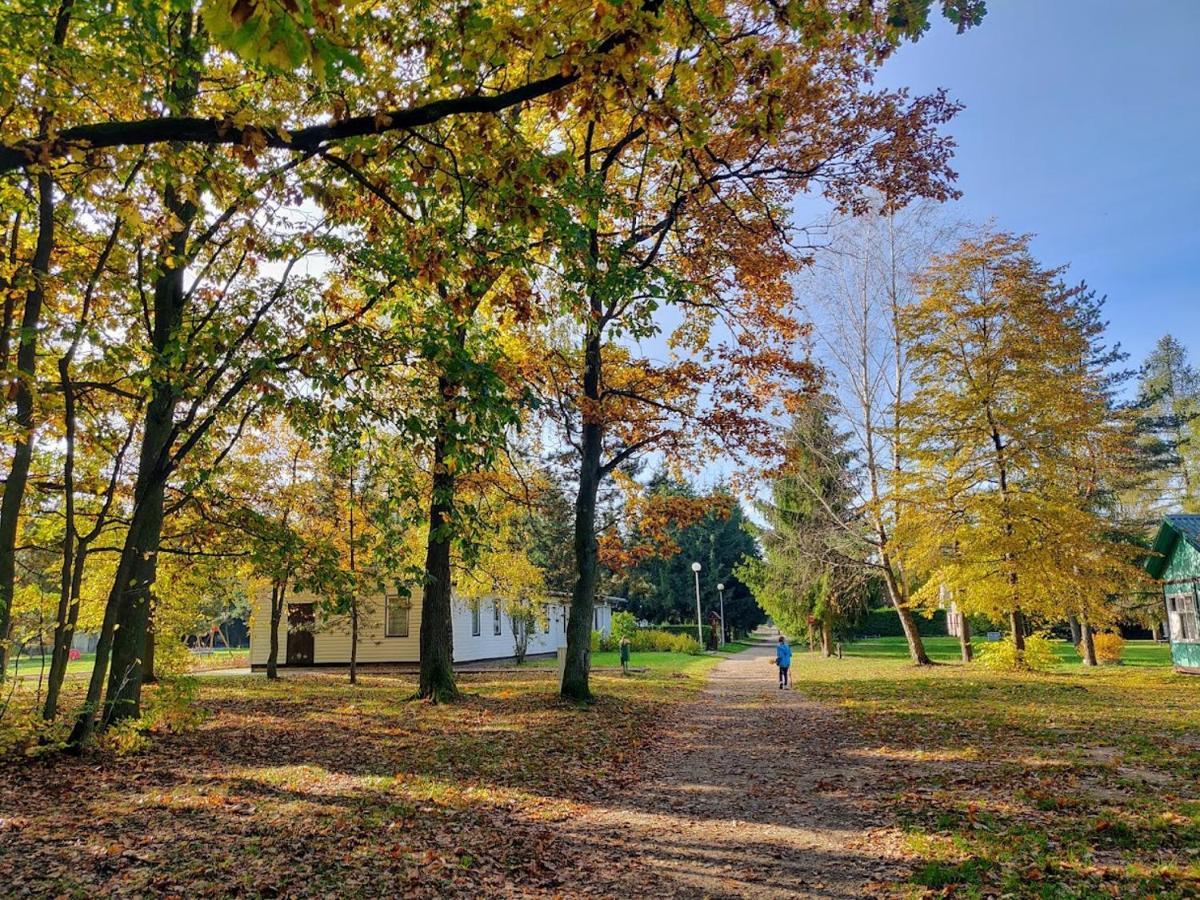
(754, 792)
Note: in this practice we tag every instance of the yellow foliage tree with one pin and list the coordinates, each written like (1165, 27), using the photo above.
(1014, 439)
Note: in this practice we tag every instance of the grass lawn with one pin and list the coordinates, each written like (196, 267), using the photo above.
(1074, 783)
(309, 786)
(1066, 784)
(655, 662)
(946, 649)
(220, 658)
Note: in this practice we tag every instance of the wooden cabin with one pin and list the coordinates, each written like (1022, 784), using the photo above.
(1176, 565)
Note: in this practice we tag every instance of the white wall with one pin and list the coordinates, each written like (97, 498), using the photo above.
(331, 640)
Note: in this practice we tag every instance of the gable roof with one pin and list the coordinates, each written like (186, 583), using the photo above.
(1172, 529)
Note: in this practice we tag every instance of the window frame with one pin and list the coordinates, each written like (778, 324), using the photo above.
(476, 625)
(497, 619)
(1183, 619)
(404, 602)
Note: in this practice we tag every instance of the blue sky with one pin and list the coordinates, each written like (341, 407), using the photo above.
(1082, 126)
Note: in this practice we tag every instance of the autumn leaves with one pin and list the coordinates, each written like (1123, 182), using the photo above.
(450, 286)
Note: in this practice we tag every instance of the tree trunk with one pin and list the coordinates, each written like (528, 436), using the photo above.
(148, 676)
(131, 593)
(127, 611)
(964, 637)
(916, 646)
(18, 473)
(587, 558)
(1016, 621)
(277, 595)
(1154, 631)
(1089, 644)
(354, 640)
(826, 636)
(437, 628)
(1076, 636)
(64, 638)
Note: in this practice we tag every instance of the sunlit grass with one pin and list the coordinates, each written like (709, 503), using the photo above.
(1074, 782)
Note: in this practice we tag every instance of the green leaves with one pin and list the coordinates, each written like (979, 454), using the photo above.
(284, 35)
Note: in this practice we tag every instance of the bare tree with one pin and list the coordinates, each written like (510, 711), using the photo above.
(855, 296)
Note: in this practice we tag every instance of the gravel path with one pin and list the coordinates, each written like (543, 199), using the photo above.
(755, 792)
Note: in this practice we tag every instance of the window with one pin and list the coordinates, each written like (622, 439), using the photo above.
(396, 615)
(496, 624)
(596, 617)
(475, 630)
(1181, 613)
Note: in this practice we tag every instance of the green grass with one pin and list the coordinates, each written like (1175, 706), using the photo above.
(1076, 782)
(946, 649)
(659, 663)
(30, 666)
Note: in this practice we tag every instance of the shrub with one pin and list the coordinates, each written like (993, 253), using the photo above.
(1002, 655)
(171, 708)
(27, 733)
(1109, 647)
(685, 629)
(647, 640)
(624, 625)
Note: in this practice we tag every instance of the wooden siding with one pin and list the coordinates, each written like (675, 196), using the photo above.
(1183, 564)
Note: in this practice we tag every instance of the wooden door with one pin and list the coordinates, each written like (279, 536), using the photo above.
(300, 619)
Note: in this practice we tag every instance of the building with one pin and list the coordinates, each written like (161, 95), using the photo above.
(390, 627)
(1176, 565)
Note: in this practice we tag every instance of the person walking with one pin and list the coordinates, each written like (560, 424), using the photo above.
(783, 659)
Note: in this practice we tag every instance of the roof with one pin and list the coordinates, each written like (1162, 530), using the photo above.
(1172, 529)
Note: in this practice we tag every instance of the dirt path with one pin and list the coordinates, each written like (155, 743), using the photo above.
(756, 792)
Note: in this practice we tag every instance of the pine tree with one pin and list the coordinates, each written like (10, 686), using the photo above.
(1168, 406)
(811, 575)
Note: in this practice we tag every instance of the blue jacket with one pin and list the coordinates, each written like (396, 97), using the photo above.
(783, 655)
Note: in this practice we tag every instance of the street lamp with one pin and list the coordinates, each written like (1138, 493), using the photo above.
(699, 629)
(721, 593)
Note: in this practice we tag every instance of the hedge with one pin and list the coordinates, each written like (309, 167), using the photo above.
(689, 630)
(885, 622)
(647, 640)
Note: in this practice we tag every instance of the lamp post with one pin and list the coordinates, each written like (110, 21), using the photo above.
(699, 628)
(721, 594)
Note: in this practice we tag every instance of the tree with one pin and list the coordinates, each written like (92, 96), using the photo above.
(859, 293)
(811, 573)
(1168, 407)
(660, 585)
(1012, 434)
(683, 201)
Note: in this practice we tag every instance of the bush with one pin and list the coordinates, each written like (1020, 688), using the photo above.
(688, 630)
(1002, 655)
(26, 733)
(1109, 648)
(624, 625)
(647, 640)
(655, 641)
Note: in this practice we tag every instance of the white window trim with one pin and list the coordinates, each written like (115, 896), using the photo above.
(497, 619)
(476, 630)
(1183, 618)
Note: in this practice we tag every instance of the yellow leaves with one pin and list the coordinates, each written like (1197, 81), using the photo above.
(1000, 507)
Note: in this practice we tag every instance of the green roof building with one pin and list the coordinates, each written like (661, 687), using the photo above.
(1176, 563)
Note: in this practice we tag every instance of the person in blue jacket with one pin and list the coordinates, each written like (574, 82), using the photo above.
(783, 659)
